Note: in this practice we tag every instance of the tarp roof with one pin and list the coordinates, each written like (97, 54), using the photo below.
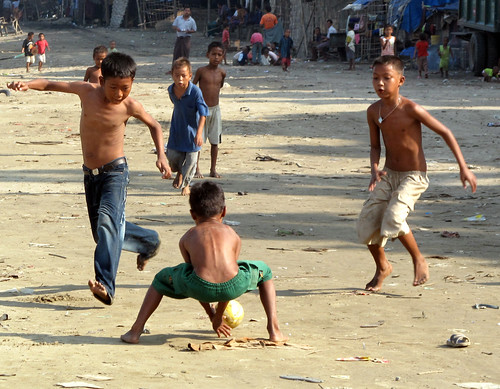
(357, 5)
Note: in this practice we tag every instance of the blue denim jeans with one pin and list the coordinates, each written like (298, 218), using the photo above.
(106, 196)
(256, 53)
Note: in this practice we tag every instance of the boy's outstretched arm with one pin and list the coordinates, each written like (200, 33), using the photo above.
(157, 136)
(375, 149)
(218, 324)
(439, 128)
(42, 84)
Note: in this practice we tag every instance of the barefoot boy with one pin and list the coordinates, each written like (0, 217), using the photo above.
(211, 79)
(93, 73)
(186, 129)
(106, 108)
(211, 272)
(396, 188)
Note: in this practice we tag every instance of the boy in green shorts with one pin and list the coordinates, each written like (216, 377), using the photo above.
(211, 272)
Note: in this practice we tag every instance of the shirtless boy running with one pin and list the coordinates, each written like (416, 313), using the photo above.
(211, 271)
(396, 188)
(211, 80)
(106, 108)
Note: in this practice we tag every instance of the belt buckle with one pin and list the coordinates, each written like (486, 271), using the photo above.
(95, 172)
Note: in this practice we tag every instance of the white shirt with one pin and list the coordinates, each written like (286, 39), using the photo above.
(184, 25)
(331, 30)
(351, 34)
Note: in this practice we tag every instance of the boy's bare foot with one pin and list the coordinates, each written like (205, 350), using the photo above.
(100, 292)
(177, 181)
(186, 191)
(421, 272)
(380, 275)
(141, 262)
(275, 335)
(214, 174)
(131, 337)
(198, 174)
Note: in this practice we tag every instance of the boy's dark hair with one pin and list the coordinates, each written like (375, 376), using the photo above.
(31, 33)
(213, 45)
(351, 26)
(396, 62)
(207, 199)
(182, 62)
(423, 36)
(118, 65)
(329, 21)
(39, 35)
(268, 8)
(99, 50)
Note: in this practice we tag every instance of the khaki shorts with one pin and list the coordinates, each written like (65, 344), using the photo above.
(384, 213)
(213, 126)
(30, 59)
(41, 58)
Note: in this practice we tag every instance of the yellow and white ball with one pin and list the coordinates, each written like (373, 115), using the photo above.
(233, 314)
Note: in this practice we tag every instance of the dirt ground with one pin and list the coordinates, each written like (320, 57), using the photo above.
(296, 212)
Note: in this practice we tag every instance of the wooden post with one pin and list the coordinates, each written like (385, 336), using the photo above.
(303, 20)
(208, 15)
(106, 12)
(139, 15)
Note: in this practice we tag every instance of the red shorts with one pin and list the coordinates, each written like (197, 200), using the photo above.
(286, 61)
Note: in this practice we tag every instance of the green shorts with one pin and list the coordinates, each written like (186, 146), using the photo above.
(180, 282)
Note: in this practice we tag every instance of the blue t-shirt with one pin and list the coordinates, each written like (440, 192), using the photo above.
(286, 45)
(184, 124)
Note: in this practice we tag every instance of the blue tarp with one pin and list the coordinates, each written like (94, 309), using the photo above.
(407, 14)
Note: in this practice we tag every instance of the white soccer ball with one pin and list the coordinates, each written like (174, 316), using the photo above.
(233, 314)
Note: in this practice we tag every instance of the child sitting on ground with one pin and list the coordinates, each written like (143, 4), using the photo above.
(396, 188)
(490, 74)
(211, 272)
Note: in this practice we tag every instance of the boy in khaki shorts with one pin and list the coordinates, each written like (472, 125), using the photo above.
(396, 188)
(211, 80)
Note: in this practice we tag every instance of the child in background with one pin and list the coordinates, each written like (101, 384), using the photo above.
(28, 48)
(211, 80)
(241, 57)
(490, 74)
(387, 42)
(112, 47)
(256, 41)
(445, 53)
(395, 188)
(42, 45)
(211, 272)
(350, 49)
(186, 130)
(286, 45)
(94, 72)
(226, 41)
(421, 53)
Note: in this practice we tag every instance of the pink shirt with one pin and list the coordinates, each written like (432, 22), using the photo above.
(42, 45)
(256, 38)
(225, 36)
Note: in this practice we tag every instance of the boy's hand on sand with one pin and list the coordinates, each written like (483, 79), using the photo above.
(164, 168)
(468, 176)
(375, 178)
(18, 86)
(220, 327)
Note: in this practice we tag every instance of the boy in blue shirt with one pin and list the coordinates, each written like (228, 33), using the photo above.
(186, 128)
(286, 45)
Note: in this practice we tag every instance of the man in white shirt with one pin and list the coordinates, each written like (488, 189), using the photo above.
(324, 46)
(184, 25)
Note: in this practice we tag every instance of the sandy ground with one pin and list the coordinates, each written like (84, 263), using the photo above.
(299, 216)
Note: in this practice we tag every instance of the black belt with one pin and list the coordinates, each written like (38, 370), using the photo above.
(104, 168)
